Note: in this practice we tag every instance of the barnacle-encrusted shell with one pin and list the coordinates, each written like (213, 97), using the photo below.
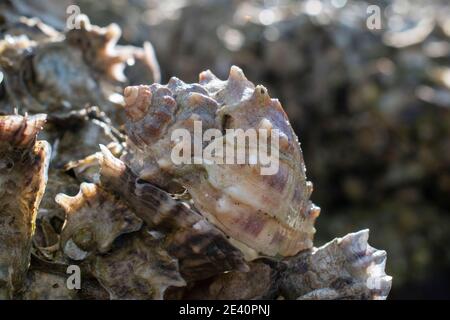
(344, 268)
(202, 250)
(94, 220)
(268, 214)
(23, 177)
(138, 269)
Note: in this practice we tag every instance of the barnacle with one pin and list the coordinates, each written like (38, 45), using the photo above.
(268, 214)
(23, 177)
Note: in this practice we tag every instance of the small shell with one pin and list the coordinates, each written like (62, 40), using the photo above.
(94, 220)
(23, 177)
(345, 268)
(263, 214)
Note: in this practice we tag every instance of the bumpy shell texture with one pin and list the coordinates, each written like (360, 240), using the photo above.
(344, 268)
(23, 177)
(263, 214)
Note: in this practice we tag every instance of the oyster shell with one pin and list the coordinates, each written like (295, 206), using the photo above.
(344, 268)
(47, 286)
(267, 214)
(94, 220)
(138, 269)
(23, 177)
(258, 283)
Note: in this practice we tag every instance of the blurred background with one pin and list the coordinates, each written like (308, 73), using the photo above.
(366, 87)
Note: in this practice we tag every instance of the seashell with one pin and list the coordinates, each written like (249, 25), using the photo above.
(98, 46)
(263, 214)
(202, 250)
(138, 269)
(23, 177)
(344, 268)
(47, 286)
(258, 283)
(66, 72)
(94, 220)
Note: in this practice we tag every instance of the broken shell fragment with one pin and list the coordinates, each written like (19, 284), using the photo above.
(23, 177)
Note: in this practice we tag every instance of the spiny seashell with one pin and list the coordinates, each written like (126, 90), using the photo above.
(23, 177)
(345, 268)
(94, 220)
(98, 46)
(101, 52)
(267, 214)
(138, 269)
(201, 249)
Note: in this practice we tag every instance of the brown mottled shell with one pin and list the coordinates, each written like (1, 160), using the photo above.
(94, 220)
(138, 269)
(47, 286)
(23, 177)
(263, 214)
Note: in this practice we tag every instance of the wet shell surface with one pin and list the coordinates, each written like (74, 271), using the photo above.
(263, 214)
(23, 177)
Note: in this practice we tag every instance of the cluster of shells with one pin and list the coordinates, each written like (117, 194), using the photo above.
(86, 180)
